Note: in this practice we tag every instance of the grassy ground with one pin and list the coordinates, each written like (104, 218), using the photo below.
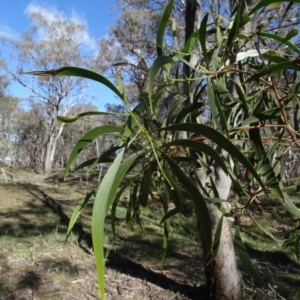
(36, 263)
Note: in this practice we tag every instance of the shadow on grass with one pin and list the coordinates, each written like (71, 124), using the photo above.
(278, 270)
(116, 260)
(273, 263)
(278, 260)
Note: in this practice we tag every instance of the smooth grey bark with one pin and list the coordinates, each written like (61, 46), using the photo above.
(223, 276)
(54, 134)
(50, 150)
(224, 279)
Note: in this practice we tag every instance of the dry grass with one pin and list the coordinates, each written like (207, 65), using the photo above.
(35, 263)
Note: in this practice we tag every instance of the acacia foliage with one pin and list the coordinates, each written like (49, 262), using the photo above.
(157, 156)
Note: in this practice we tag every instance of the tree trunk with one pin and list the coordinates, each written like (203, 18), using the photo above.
(223, 277)
(48, 154)
(51, 147)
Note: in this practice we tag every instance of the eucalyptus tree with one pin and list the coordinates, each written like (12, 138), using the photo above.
(192, 164)
(8, 118)
(51, 42)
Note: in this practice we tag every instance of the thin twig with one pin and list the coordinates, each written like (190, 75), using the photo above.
(280, 101)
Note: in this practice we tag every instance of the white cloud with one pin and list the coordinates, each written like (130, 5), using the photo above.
(50, 13)
(8, 33)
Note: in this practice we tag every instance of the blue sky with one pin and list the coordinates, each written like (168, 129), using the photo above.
(97, 14)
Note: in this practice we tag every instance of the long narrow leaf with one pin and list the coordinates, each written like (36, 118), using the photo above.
(179, 209)
(196, 197)
(159, 62)
(235, 26)
(79, 72)
(217, 240)
(244, 257)
(114, 209)
(77, 211)
(87, 139)
(94, 161)
(145, 186)
(104, 198)
(292, 65)
(71, 119)
(162, 27)
(281, 40)
(202, 37)
(200, 147)
(265, 3)
(220, 140)
(212, 104)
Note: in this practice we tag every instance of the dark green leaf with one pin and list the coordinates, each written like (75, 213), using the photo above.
(114, 209)
(77, 211)
(220, 140)
(200, 147)
(196, 197)
(235, 26)
(145, 186)
(217, 240)
(203, 29)
(179, 209)
(245, 259)
(292, 65)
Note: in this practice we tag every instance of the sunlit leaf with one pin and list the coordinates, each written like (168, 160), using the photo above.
(264, 3)
(162, 27)
(79, 72)
(282, 40)
(103, 200)
(242, 55)
(70, 119)
(87, 139)
(159, 62)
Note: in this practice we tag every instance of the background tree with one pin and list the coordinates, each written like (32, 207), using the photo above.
(50, 43)
(8, 121)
